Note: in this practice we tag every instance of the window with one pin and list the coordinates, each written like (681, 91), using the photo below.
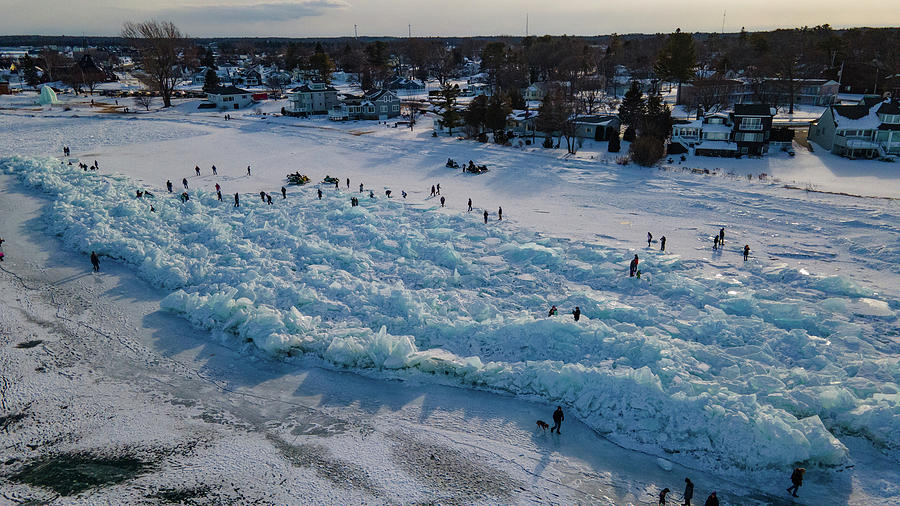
(396, 108)
(384, 108)
(751, 124)
(716, 136)
(748, 137)
(882, 136)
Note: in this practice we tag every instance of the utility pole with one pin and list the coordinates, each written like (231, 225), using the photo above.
(409, 31)
(526, 25)
(724, 11)
(355, 32)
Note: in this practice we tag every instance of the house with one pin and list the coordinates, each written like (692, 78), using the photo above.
(251, 78)
(534, 92)
(403, 84)
(752, 125)
(229, 97)
(312, 98)
(868, 129)
(386, 102)
(598, 128)
(745, 131)
(522, 123)
(378, 105)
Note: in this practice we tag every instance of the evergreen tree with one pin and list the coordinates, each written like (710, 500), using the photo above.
(657, 120)
(209, 60)
(323, 65)
(29, 71)
(615, 145)
(211, 81)
(629, 134)
(632, 108)
(497, 111)
(476, 112)
(677, 59)
(450, 117)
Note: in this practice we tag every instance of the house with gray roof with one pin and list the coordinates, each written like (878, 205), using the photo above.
(869, 129)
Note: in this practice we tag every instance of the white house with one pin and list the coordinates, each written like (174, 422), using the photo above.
(229, 97)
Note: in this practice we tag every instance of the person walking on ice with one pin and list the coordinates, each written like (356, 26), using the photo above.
(688, 492)
(499, 214)
(715, 242)
(432, 190)
(219, 195)
(746, 251)
(796, 480)
(553, 311)
(712, 500)
(215, 171)
(662, 496)
(184, 182)
(632, 269)
(360, 187)
(557, 419)
(442, 201)
(662, 243)
(722, 236)
(237, 200)
(319, 193)
(283, 193)
(470, 206)
(95, 261)
(649, 239)
(248, 170)
(577, 313)
(169, 185)
(485, 216)
(197, 169)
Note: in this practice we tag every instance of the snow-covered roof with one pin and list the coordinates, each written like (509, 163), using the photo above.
(855, 117)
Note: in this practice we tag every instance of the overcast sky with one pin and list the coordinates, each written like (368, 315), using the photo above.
(332, 18)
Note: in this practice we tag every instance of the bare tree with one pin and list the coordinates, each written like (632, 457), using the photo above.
(160, 45)
(144, 100)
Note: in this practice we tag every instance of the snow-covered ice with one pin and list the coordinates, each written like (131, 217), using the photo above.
(706, 361)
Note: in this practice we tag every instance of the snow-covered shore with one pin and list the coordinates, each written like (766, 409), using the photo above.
(738, 366)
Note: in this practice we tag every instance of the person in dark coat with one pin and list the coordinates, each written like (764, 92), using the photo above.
(169, 186)
(197, 169)
(432, 190)
(439, 188)
(662, 496)
(553, 311)
(219, 195)
(499, 213)
(95, 261)
(262, 196)
(633, 267)
(184, 182)
(688, 491)
(237, 200)
(746, 251)
(485, 216)
(577, 313)
(715, 242)
(215, 171)
(268, 199)
(796, 480)
(442, 201)
(557, 419)
(722, 236)
(360, 187)
(649, 239)
(470, 205)
(248, 170)
(662, 243)
(283, 192)
(712, 500)
(348, 183)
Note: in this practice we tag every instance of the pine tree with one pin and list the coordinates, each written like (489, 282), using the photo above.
(615, 145)
(476, 113)
(497, 111)
(450, 117)
(211, 80)
(633, 106)
(29, 71)
(677, 59)
(657, 120)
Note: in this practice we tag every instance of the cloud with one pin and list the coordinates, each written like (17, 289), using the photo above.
(252, 12)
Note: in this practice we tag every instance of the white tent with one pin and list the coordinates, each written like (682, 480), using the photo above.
(48, 96)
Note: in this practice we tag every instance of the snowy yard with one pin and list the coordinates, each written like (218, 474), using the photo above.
(233, 329)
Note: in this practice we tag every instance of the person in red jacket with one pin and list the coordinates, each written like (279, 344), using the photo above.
(633, 268)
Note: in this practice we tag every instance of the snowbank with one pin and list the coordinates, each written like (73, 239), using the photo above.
(749, 370)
